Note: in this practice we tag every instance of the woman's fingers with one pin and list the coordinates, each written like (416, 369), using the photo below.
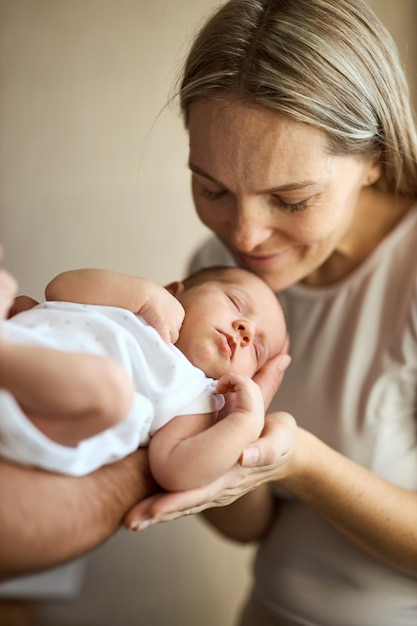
(278, 439)
(270, 376)
(165, 507)
(272, 450)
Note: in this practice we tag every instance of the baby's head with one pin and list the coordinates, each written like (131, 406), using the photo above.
(233, 321)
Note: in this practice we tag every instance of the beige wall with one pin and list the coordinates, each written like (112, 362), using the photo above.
(92, 175)
(400, 18)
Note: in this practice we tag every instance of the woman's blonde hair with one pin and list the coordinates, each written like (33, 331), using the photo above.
(327, 63)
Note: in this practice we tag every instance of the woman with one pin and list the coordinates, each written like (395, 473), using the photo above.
(303, 153)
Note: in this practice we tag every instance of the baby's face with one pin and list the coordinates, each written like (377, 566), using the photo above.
(232, 323)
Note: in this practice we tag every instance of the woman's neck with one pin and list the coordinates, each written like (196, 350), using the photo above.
(376, 216)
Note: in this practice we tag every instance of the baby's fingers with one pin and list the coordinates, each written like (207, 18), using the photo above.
(169, 333)
(166, 333)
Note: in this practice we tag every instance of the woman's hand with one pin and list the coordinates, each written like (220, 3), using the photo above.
(270, 376)
(265, 460)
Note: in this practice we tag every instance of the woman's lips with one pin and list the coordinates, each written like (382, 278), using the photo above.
(261, 261)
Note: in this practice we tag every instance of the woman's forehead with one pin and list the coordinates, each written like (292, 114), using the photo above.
(215, 119)
(233, 141)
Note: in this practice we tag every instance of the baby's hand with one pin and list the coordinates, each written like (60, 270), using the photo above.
(247, 398)
(163, 311)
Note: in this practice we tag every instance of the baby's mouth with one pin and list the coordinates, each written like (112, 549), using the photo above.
(228, 343)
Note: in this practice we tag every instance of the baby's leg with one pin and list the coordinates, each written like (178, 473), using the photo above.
(8, 288)
(95, 393)
(68, 396)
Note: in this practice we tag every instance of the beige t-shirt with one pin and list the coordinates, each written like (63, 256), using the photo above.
(353, 383)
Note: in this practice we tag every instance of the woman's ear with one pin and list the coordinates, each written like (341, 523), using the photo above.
(373, 173)
(176, 288)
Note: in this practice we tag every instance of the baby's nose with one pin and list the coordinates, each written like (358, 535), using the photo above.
(246, 330)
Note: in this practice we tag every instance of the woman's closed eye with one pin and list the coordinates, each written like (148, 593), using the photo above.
(210, 195)
(289, 206)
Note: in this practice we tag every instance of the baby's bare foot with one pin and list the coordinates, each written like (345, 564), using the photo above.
(8, 288)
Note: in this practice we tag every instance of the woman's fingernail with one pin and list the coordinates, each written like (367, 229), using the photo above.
(283, 362)
(286, 441)
(140, 525)
(250, 456)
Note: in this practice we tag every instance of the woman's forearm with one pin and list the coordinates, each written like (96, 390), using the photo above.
(375, 514)
(246, 519)
(47, 519)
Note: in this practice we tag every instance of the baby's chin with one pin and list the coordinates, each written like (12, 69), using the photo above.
(208, 359)
(210, 370)
(217, 372)
(214, 365)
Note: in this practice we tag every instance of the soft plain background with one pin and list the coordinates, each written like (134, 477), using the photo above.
(93, 173)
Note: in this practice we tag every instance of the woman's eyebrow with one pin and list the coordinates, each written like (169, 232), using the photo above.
(200, 172)
(294, 186)
(289, 187)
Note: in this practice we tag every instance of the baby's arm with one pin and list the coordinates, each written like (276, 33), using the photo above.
(194, 450)
(154, 303)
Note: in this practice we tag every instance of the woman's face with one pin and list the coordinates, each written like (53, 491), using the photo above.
(267, 187)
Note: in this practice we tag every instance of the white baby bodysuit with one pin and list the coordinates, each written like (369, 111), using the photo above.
(166, 384)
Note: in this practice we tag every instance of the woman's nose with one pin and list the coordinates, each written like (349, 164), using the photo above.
(246, 331)
(249, 228)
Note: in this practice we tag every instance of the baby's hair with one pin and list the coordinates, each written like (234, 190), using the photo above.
(207, 273)
(216, 272)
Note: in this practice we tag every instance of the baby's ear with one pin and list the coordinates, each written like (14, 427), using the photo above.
(176, 288)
